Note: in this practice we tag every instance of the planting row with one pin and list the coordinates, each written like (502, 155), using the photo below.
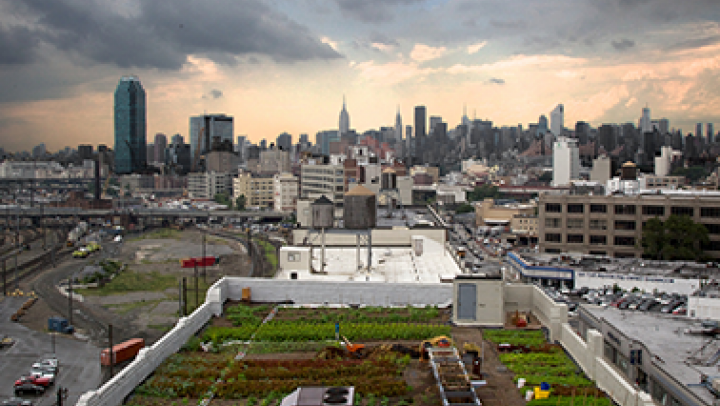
(241, 315)
(382, 377)
(319, 332)
(516, 337)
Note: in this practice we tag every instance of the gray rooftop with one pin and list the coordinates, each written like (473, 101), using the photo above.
(674, 350)
(634, 266)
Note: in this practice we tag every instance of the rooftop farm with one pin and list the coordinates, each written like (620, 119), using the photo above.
(283, 353)
(530, 357)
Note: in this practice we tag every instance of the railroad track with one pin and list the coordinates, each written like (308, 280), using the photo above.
(11, 278)
(258, 262)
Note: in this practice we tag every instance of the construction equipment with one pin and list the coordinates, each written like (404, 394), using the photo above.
(435, 342)
(355, 350)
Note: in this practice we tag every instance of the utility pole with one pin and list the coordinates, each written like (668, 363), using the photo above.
(112, 353)
(197, 288)
(184, 295)
(207, 224)
(4, 277)
(180, 298)
(17, 245)
(70, 294)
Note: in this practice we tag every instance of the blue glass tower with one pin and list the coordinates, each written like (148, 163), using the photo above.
(130, 126)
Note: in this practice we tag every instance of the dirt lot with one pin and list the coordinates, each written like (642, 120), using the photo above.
(150, 312)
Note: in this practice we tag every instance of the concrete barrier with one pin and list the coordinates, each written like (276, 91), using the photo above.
(589, 356)
(113, 392)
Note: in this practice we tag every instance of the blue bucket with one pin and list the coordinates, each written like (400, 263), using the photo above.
(544, 386)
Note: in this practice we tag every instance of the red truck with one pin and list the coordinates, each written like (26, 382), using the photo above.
(122, 352)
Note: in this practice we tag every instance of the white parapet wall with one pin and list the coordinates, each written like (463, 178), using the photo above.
(319, 292)
(113, 392)
(589, 356)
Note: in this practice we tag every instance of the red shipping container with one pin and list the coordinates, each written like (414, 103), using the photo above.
(123, 351)
(199, 261)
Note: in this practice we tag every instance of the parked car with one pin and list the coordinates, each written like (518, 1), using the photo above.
(29, 388)
(16, 402)
(680, 311)
(34, 379)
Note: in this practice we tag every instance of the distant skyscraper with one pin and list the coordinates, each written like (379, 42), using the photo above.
(664, 126)
(398, 126)
(542, 125)
(284, 141)
(130, 126)
(420, 132)
(566, 161)
(304, 139)
(465, 120)
(39, 151)
(344, 119)
(710, 133)
(582, 132)
(645, 122)
(263, 144)
(557, 120)
(434, 120)
(177, 139)
(160, 145)
(150, 152)
(211, 126)
(699, 130)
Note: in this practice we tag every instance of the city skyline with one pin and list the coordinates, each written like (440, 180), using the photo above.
(287, 66)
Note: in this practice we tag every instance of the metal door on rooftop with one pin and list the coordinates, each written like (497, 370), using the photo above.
(467, 301)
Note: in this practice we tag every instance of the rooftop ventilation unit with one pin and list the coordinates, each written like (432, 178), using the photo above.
(321, 396)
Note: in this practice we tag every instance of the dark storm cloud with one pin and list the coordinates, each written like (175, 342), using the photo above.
(383, 39)
(372, 11)
(695, 43)
(213, 94)
(623, 44)
(163, 34)
(17, 45)
(496, 81)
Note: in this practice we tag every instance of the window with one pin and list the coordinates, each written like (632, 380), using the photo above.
(293, 256)
(598, 208)
(553, 208)
(598, 240)
(625, 241)
(575, 223)
(682, 211)
(653, 210)
(575, 238)
(553, 237)
(625, 225)
(710, 212)
(712, 228)
(626, 209)
(598, 224)
(552, 223)
(575, 208)
(603, 253)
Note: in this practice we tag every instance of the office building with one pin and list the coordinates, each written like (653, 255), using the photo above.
(222, 161)
(177, 139)
(274, 160)
(420, 132)
(323, 179)
(582, 132)
(557, 120)
(210, 126)
(612, 224)
(130, 126)
(434, 120)
(205, 185)
(645, 121)
(160, 145)
(284, 142)
(699, 131)
(566, 161)
(258, 190)
(398, 126)
(710, 133)
(344, 124)
(85, 152)
(285, 187)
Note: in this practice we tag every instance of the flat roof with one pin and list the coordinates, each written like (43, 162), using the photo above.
(393, 265)
(665, 336)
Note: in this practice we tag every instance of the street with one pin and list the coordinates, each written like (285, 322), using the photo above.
(79, 360)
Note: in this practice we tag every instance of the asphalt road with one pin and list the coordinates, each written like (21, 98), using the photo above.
(79, 360)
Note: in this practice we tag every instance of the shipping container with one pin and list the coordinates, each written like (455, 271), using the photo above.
(123, 351)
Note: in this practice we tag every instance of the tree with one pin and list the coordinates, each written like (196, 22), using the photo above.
(464, 208)
(483, 191)
(224, 198)
(546, 177)
(240, 202)
(677, 238)
(693, 173)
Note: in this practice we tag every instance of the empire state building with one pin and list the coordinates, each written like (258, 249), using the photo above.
(344, 120)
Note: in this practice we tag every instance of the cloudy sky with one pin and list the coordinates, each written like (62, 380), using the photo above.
(284, 65)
